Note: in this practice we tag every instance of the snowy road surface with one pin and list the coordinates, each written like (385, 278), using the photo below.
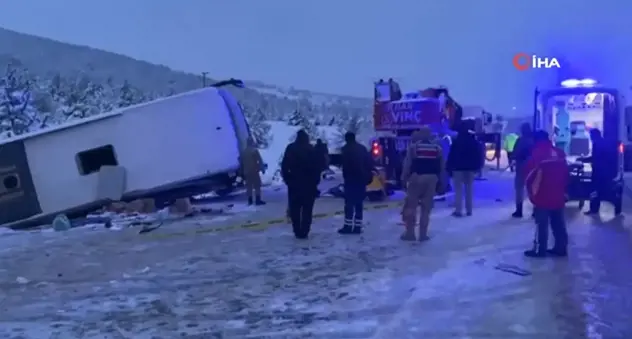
(266, 284)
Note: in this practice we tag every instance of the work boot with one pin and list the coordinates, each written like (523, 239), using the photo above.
(346, 229)
(535, 254)
(556, 252)
(357, 227)
(518, 212)
(249, 201)
(408, 235)
(301, 235)
(423, 238)
(259, 202)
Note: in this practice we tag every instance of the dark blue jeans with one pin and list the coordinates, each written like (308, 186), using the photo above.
(354, 203)
(599, 191)
(550, 218)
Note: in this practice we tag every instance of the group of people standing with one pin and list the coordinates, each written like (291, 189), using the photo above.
(542, 169)
(541, 172)
(426, 170)
(301, 170)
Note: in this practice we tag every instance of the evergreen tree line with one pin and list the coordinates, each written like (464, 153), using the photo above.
(29, 103)
(356, 123)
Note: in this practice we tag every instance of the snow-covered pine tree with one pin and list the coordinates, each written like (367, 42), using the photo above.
(17, 113)
(48, 98)
(318, 119)
(296, 118)
(43, 101)
(354, 124)
(109, 96)
(126, 95)
(99, 99)
(77, 98)
(129, 95)
(310, 128)
(56, 87)
(259, 126)
(171, 89)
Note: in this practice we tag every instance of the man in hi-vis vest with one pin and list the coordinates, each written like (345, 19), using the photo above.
(421, 173)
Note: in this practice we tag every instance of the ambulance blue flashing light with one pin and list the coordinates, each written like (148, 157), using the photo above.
(572, 83)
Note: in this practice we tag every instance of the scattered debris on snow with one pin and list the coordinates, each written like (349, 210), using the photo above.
(61, 223)
(22, 280)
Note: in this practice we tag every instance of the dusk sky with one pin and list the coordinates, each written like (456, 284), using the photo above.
(342, 46)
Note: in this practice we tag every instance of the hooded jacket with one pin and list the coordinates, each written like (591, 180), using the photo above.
(301, 165)
(547, 176)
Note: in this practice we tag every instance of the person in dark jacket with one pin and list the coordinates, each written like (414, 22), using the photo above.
(357, 172)
(464, 162)
(300, 170)
(604, 161)
(522, 152)
(546, 178)
(444, 140)
(323, 151)
(321, 148)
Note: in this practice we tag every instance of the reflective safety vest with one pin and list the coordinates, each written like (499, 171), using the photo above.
(510, 142)
(426, 158)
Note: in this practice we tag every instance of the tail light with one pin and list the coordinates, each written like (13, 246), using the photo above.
(621, 148)
(375, 148)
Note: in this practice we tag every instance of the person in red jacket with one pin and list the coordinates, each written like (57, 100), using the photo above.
(546, 181)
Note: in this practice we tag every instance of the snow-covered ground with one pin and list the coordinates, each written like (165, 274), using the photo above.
(263, 283)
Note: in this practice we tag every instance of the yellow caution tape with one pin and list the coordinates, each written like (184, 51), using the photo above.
(260, 226)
